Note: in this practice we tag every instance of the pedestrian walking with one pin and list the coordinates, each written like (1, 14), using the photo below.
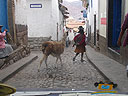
(5, 49)
(124, 28)
(80, 43)
(67, 39)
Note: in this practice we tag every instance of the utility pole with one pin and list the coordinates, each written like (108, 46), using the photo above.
(57, 31)
(14, 27)
(95, 29)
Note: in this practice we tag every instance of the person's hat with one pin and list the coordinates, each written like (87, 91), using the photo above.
(1, 26)
(80, 27)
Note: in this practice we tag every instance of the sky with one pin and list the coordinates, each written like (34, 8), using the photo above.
(71, 0)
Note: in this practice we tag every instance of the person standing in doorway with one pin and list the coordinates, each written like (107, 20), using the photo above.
(80, 43)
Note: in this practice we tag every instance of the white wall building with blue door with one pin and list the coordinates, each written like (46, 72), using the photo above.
(111, 14)
(111, 17)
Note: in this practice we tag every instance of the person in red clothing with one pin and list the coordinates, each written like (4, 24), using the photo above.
(80, 43)
(5, 49)
(124, 28)
(2, 36)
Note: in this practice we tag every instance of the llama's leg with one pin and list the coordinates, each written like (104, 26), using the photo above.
(60, 61)
(56, 62)
(41, 61)
(56, 59)
(46, 61)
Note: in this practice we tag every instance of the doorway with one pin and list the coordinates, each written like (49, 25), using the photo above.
(3, 14)
(114, 23)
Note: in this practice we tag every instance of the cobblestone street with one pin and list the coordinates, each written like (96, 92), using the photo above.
(73, 74)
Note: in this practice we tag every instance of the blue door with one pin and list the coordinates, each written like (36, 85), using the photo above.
(3, 14)
(116, 21)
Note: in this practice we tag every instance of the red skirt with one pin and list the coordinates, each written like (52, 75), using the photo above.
(80, 49)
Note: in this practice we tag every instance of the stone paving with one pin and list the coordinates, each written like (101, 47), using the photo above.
(72, 75)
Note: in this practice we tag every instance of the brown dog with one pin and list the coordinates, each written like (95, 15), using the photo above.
(53, 48)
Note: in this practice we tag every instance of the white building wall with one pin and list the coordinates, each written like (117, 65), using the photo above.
(91, 20)
(99, 14)
(91, 17)
(96, 11)
(126, 7)
(55, 18)
(61, 25)
(102, 14)
(39, 19)
(20, 12)
(93, 9)
(42, 22)
(71, 35)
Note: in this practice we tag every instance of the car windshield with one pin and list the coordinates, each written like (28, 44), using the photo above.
(64, 46)
(62, 93)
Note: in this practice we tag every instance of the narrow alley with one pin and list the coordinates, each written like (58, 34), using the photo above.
(97, 29)
(73, 74)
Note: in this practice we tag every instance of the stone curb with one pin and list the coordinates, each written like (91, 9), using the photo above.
(93, 64)
(16, 67)
(105, 65)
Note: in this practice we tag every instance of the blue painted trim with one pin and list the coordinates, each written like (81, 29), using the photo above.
(35, 7)
(91, 3)
(3, 14)
(116, 21)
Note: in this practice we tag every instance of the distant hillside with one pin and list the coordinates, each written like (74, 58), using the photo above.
(74, 8)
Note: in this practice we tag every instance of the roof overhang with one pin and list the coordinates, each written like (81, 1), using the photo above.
(64, 10)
